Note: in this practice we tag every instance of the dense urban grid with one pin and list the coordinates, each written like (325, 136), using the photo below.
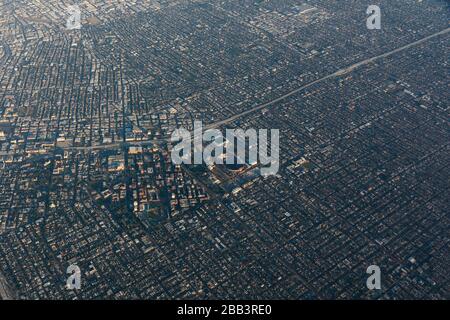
(86, 176)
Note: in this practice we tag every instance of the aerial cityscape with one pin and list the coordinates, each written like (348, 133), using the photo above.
(343, 193)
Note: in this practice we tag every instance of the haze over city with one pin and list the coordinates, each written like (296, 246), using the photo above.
(334, 186)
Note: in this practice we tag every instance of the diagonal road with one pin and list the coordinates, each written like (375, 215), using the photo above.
(338, 73)
(6, 292)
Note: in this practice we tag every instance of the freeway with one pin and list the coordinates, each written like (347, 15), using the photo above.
(217, 124)
(338, 73)
(5, 291)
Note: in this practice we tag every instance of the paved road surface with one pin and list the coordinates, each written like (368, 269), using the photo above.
(338, 73)
(5, 291)
(333, 75)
